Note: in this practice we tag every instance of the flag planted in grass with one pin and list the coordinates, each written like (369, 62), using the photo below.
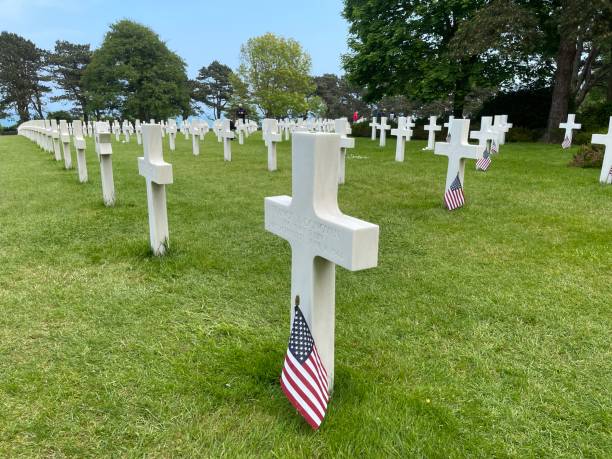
(453, 198)
(494, 148)
(304, 379)
(566, 143)
(483, 163)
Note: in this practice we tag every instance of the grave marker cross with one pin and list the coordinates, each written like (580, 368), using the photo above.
(606, 167)
(158, 174)
(320, 236)
(457, 151)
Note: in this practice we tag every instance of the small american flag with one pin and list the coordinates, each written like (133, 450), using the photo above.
(566, 143)
(453, 198)
(494, 148)
(304, 379)
(483, 163)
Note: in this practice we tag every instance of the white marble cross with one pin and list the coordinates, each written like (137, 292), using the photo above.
(271, 136)
(488, 137)
(342, 128)
(374, 126)
(79, 145)
(171, 130)
(320, 236)
(606, 167)
(432, 127)
(125, 127)
(403, 134)
(227, 135)
(138, 130)
(383, 127)
(457, 150)
(194, 129)
(105, 155)
(217, 128)
(500, 122)
(569, 126)
(116, 129)
(65, 138)
(447, 126)
(55, 136)
(158, 174)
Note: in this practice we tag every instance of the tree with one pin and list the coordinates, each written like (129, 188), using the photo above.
(341, 98)
(405, 47)
(276, 72)
(21, 76)
(135, 75)
(557, 43)
(240, 98)
(213, 87)
(67, 64)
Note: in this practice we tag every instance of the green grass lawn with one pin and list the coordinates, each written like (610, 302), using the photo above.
(483, 332)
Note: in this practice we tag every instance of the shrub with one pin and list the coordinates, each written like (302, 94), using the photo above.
(522, 134)
(588, 155)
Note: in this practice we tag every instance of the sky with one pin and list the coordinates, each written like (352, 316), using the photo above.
(198, 31)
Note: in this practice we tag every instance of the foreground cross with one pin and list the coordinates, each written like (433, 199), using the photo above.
(569, 126)
(432, 127)
(457, 150)
(79, 145)
(105, 152)
(158, 174)
(320, 237)
(606, 167)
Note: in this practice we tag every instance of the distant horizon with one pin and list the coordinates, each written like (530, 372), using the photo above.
(189, 29)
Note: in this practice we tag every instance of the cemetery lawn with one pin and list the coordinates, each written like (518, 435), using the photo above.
(483, 332)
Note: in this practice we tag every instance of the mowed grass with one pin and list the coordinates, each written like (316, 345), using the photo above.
(482, 332)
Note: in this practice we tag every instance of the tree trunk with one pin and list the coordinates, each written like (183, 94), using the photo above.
(562, 89)
(609, 92)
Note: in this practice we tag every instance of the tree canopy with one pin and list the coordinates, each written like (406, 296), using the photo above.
(21, 76)
(276, 71)
(67, 64)
(213, 87)
(134, 74)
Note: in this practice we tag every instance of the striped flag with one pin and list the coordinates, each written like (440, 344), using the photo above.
(453, 198)
(566, 143)
(483, 163)
(304, 379)
(494, 148)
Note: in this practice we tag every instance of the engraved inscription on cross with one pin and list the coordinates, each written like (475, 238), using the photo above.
(320, 235)
(606, 167)
(158, 174)
(457, 150)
